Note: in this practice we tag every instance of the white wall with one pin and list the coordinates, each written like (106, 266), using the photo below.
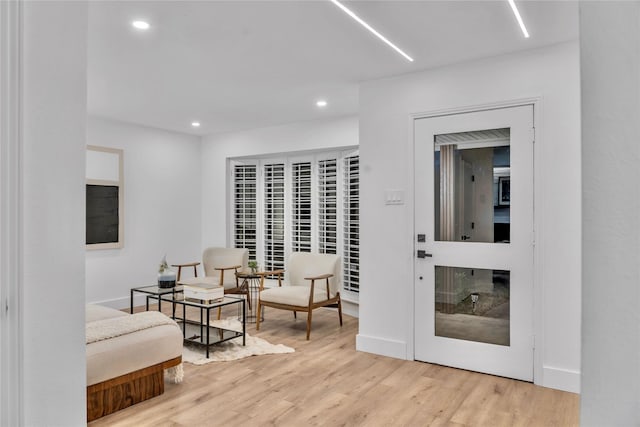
(552, 74)
(54, 111)
(162, 206)
(217, 149)
(611, 205)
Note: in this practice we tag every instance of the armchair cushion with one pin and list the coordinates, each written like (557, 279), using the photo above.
(295, 295)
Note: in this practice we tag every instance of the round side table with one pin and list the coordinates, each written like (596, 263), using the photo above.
(251, 281)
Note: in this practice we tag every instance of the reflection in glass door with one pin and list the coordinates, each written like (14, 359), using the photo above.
(471, 176)
(472, 304)
(474, 204)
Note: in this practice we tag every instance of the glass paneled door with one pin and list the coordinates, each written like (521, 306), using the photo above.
(474, 241)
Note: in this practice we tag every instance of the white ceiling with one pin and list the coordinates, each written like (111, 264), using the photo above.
(236, 65)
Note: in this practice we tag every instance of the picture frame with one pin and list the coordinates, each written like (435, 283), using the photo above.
(104, 214)
(504, 191)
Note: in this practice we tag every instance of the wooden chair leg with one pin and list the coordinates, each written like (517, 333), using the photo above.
(309, 323)
(258, 316)
(219, 312)
(340, 310)
(295, 314)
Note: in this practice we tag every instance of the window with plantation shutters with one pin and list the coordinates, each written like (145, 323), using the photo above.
(351, 224)
(300, 203)
(301, 207)
(245, 207)
(328, 206)
(274, 216)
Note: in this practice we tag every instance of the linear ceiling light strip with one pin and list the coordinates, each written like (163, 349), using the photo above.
(512, 3)
(370, 28)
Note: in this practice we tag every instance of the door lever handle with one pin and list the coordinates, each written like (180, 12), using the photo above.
(423, 254)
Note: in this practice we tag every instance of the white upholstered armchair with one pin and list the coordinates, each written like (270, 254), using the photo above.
(220, 267)
(311, 281)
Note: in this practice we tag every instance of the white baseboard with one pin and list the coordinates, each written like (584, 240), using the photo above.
(350, 308)
(381, 346)
(561, 379)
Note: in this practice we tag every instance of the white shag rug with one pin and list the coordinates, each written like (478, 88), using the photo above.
(232, 349)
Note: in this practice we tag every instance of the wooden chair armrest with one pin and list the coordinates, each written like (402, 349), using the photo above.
(263, 274)
(322, 276)
(228, 268)
(313, 279)
(189, 264)
(269, 273)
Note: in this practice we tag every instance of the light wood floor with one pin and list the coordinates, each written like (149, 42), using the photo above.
(326, 382)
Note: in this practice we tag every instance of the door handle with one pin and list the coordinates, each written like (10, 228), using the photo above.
(423, 254)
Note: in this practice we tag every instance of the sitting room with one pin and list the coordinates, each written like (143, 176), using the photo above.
(318, 212)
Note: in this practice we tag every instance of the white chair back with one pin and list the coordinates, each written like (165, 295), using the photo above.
(224, 257)
(305, 264)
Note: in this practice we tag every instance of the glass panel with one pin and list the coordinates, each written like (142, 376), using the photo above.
(472, 186)
(472, 304)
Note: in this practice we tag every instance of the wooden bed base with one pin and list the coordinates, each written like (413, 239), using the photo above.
(121, 392)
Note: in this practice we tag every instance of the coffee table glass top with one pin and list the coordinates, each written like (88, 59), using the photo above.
(180, 299)
(156, 290)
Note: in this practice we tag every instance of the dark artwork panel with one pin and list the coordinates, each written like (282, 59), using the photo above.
(102, 214)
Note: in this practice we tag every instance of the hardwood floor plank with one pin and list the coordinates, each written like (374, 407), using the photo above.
(326, 382)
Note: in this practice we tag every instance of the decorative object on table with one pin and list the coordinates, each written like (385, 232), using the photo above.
(166, 276)
(253, 265)
(203, 291)
(232, 349)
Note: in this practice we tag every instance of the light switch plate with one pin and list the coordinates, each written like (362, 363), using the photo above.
(394, 197)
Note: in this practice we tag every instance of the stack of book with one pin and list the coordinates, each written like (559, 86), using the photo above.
(204, 291)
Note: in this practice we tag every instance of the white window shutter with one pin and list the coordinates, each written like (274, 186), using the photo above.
(351, 224)
(245, 207)
(301, 207)
(328, 206)
(274, 216)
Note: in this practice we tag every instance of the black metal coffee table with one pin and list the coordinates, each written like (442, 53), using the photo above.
(203, 331)
(155, 292)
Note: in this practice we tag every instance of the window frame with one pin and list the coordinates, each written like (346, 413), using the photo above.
(289, 159)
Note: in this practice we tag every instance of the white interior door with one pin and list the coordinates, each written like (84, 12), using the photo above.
(474, 241)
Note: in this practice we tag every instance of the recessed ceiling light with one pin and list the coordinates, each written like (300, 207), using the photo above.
(512, 3)
(195, 124)
(321, 103)
(141, 25)
(348, 11)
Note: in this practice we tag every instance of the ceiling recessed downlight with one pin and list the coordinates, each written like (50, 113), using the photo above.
(141, 25)
(321, 103)
(195, 124)
(349, 12)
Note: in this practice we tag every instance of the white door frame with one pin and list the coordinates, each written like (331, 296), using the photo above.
(538, 324)
(11, 368)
